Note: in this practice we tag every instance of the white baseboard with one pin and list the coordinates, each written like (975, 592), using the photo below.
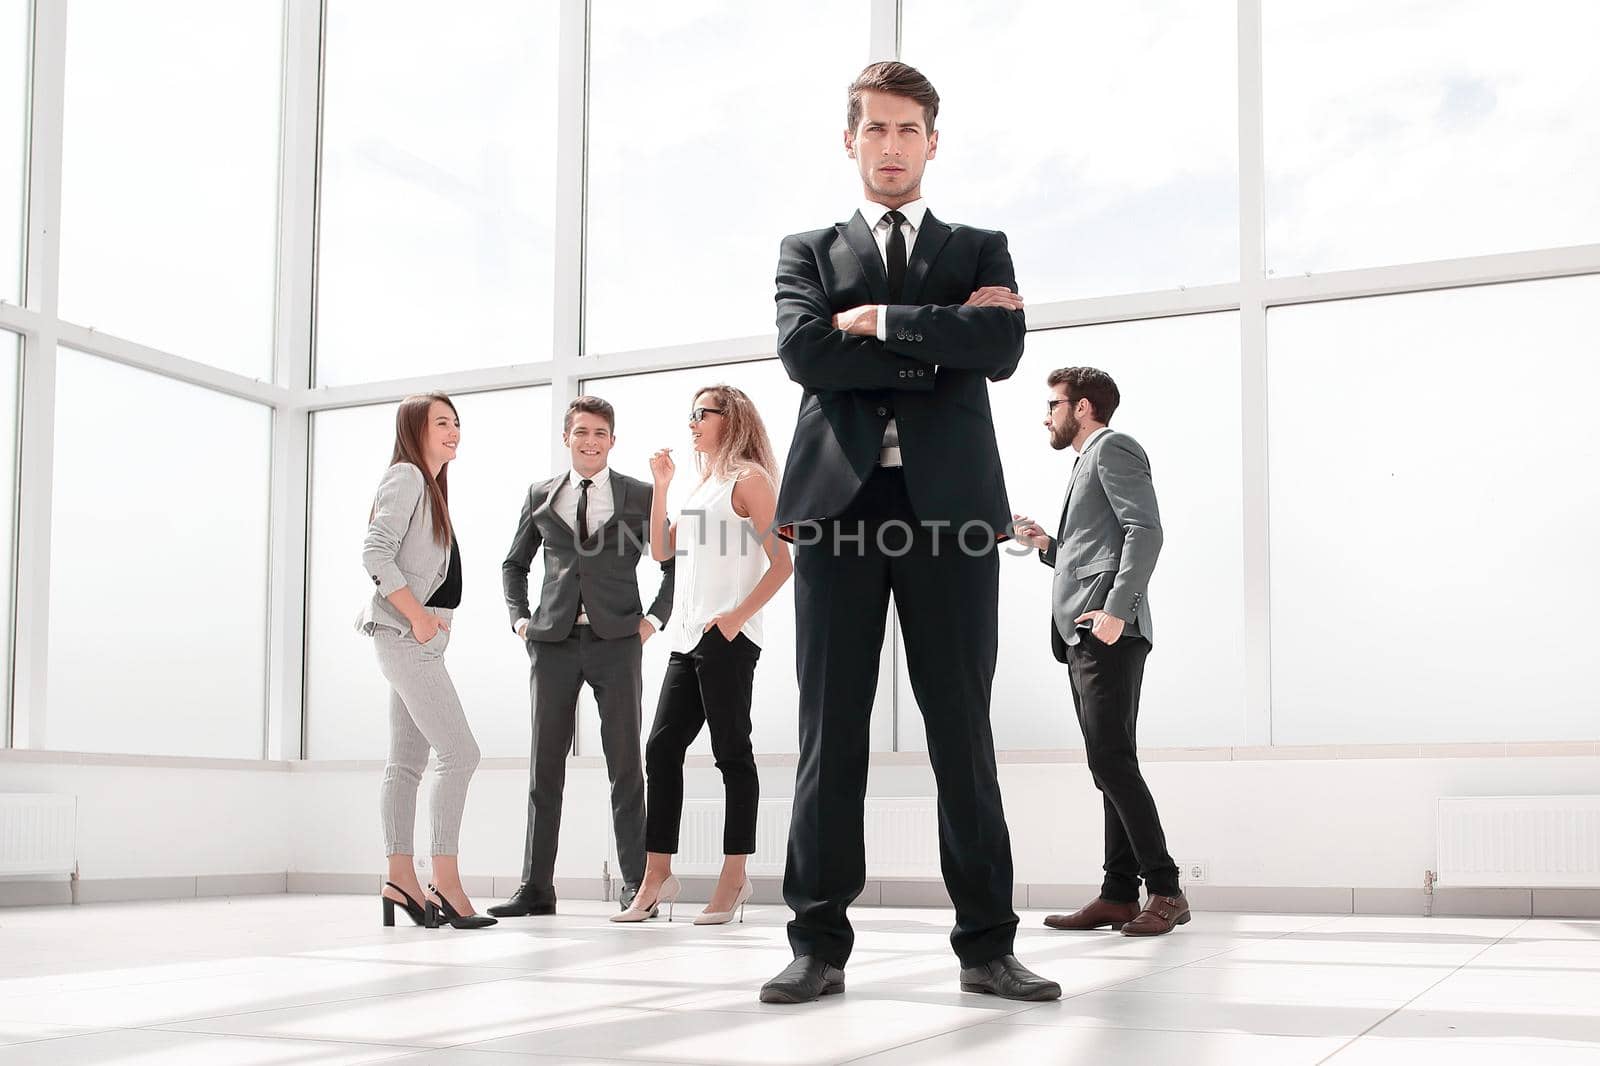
(879, 892)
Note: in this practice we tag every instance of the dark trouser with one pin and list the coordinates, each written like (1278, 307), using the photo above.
(1105, 691)
(948, 603)
(613, 668)
(708, 685)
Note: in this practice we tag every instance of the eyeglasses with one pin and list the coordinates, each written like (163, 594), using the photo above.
(698, 415)
(1050, 405)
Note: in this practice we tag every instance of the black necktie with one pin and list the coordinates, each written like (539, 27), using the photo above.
(583, 510)
(896, 255)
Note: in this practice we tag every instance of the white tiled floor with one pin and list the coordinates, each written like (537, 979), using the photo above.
(302, 980)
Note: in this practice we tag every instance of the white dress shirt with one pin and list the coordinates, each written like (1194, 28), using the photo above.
(602, 506)
(602, 501)
(1096, 435)
(873, 214)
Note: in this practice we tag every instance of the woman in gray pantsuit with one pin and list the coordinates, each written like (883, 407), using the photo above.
(412, 555)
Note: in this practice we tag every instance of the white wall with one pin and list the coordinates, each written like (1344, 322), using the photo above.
(1258, 820)
(167, 821)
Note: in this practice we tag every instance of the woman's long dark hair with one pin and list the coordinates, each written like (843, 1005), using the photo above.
(410, 431)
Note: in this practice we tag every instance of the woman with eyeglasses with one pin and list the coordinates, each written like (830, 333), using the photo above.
(729, 565)
(414, 560)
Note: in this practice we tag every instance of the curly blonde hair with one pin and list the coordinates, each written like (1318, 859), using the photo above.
(744, 447)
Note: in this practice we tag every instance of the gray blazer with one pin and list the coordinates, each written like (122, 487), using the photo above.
(1106, 546)
(602, 573)
(399, 550)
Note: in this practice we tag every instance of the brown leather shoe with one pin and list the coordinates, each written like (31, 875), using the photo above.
(1096, 915)
(1160, 915)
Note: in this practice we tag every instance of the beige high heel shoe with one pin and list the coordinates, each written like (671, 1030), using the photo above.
(668, 894)
(724, 917)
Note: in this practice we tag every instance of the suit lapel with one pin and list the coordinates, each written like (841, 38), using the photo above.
(858, 235)
(1080, 471)
(930, 241)
(548, 507)
(619, 499)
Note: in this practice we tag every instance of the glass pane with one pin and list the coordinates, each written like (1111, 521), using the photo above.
(652, 413)
(1400, 131)
(1102, 138)
(1421, 445)
(169, 187)
(1179, 379)
(14, 56)
(704, 167)
(504, 446)
(10, 379)
(158, 565)
(438, 191)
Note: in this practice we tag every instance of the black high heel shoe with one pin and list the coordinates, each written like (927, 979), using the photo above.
(448, 915)
(424, 914)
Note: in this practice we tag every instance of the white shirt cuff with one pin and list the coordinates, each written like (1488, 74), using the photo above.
(883, 322)
(519, 624)
(653, 620)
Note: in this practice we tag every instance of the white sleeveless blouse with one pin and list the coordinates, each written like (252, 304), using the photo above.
(720, 560)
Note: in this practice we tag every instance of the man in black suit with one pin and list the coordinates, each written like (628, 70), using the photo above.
(891, 322)
(592, 524)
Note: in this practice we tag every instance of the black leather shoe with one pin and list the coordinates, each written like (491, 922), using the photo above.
(626, 896)
(1009, 979)
(802, 981)
(526, 902)
(448, 915)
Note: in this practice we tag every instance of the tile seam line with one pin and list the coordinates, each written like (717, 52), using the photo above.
(1462, 966)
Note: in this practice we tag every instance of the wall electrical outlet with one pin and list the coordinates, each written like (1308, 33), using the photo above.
(1194, 873)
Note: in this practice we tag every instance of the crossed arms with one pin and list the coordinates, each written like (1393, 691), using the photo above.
(841, 352)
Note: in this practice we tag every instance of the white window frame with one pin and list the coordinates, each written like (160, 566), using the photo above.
(293, 401)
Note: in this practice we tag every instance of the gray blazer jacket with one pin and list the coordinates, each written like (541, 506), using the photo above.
(1106, 546)
(602, 573)
(399, 550)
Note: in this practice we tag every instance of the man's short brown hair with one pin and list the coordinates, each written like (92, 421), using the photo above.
(590, 405)
(896, 79)
(1087, 383)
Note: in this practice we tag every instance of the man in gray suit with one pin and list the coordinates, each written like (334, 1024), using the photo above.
(1103, 554)
(593, 525)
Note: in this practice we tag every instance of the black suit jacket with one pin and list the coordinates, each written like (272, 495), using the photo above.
(603, 572)
(854, 385)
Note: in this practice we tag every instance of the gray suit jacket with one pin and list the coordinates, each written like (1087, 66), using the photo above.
(603, 573)
(1106, 545)
(399, 550)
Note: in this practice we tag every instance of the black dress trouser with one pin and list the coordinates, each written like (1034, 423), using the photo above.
(1105, 692)
(708, 685)
(948, 603)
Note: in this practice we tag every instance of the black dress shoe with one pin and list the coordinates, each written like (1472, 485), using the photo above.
(1009, 979)
(424, 914)
(525, 903)
(802, 981)
(448, 915)
(626, 896)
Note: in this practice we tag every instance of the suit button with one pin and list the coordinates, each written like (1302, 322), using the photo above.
(922, 373)
(919, 336)
(883, 412)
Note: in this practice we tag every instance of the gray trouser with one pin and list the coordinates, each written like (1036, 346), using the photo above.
(614, 669)
(424, 712)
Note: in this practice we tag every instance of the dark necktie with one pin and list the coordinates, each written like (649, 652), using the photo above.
(583, 510)
(896, 255)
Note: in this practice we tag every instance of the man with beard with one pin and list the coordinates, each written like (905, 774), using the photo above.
(1103, 554)
(893, 323)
